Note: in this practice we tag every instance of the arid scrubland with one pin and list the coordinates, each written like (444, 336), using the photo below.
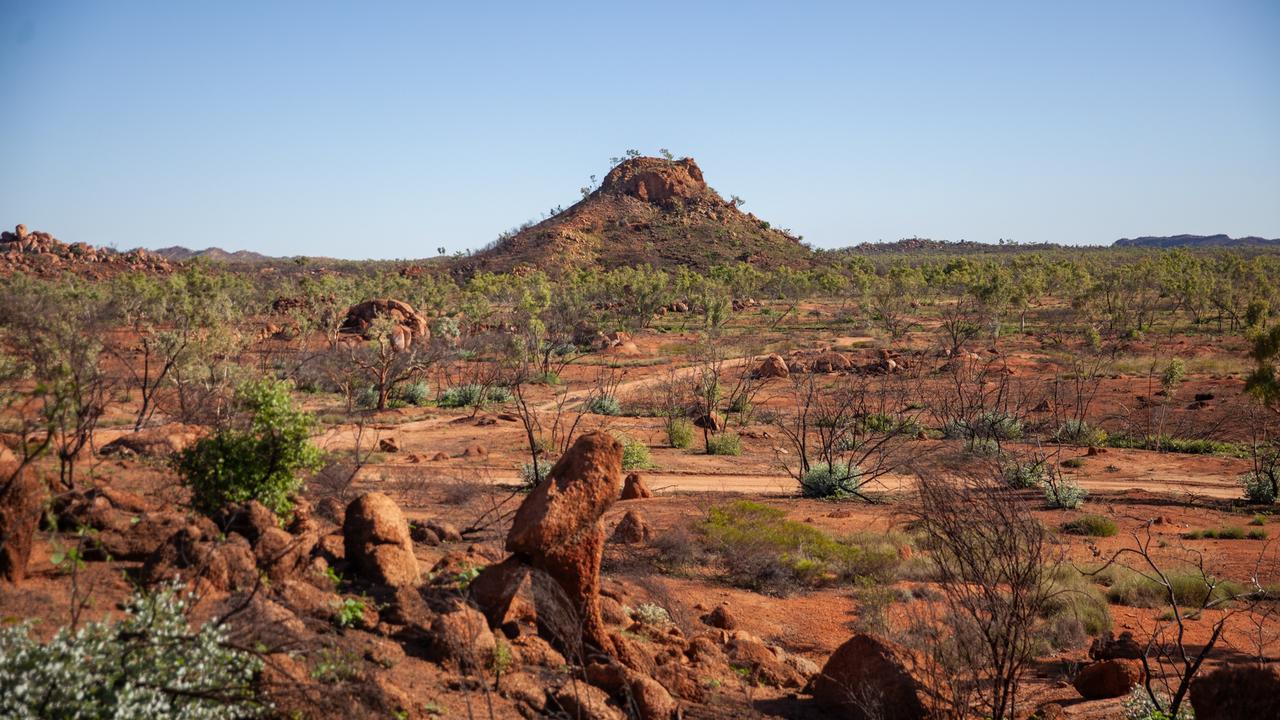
(887, 482)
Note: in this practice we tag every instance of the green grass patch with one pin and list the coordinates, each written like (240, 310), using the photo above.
(724, 444)
(1190, 588)
(762, 550)
(1090, 525)
(1189, 446)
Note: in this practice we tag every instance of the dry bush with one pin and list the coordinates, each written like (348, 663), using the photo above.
(996, 565)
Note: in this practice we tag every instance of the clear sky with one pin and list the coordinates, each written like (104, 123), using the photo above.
(387, 129)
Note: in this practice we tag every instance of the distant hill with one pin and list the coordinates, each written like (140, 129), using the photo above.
(177, 253)
(1173, 241)
(646, 211)
(925, 246)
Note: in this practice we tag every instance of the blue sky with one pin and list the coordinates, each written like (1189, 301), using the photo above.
(390, 129)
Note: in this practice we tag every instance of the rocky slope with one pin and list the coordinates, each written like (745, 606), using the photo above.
(647, 210)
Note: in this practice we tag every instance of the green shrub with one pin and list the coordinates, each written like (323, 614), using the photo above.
(1078, 432)
(414, 393)
(367, 397)
(651, 615)
(983, 447)
(998, 425)
(635, 454)
(148, 665)
(604, 405)
(724, 444)
(1259, 487)
(762, 550)
(260, 461)
(1090, 525)
(991, 425)
(473, 395)
(1024, 475)
(831, 481)
(349, 612)
(679, 432)
(885, 423)
(1064, 494)
(531, 478)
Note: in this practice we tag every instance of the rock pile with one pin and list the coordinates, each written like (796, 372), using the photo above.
(39, 253)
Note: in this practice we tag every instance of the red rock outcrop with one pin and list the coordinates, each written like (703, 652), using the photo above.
(864, 679)
(410, 325)
(557, 531)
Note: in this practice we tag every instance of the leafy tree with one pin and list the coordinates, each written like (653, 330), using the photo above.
(260, 459)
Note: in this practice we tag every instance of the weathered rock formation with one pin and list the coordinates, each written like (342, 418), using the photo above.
(410, 326)
(557, 532)
(377, 541)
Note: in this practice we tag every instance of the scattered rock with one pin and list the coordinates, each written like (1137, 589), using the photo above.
(377, 541)
(765, 665)
(159, 441)
(423, 535)
(1108, 678)
(389, 445)
(634, 488)
(462, 637)
(585, 702)
(439, 457)
(443, 530)
(475, 451)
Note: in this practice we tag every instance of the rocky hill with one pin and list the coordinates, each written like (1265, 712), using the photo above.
(647, 210)
(39, 253)
(1172, 241)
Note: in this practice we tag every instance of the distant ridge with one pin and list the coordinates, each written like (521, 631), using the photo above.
(1172, 241)
(177, 253)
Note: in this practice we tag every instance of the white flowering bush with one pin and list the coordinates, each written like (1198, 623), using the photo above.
(148, 665)
(1138, 706)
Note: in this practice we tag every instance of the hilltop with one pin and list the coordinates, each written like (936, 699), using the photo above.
(1172, 241)
(646, 211)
